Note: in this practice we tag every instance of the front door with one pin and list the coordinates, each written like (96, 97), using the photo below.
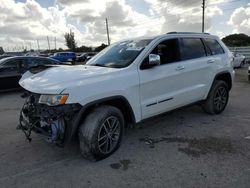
(10, 74)
(160, 86)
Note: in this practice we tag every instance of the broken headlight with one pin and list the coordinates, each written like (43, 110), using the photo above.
(53, 100)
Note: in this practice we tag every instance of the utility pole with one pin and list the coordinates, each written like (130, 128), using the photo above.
(203, 14)
(107, 28)
(71, 41)
(55, 43)
(48, 42)
(38, 45)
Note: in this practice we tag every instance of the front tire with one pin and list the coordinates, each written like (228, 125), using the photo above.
(101, 133)
(217, 98)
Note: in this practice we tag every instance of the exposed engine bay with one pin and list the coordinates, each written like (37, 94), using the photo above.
(50, 121)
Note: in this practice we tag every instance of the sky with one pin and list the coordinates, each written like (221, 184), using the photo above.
(28, 23)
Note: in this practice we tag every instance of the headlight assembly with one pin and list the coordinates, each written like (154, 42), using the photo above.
(53, 100)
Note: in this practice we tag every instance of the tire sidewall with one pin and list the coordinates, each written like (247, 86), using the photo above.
(91, 139)
(97, 151)
(216, 87)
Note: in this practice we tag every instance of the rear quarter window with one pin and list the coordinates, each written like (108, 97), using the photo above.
(214, 46)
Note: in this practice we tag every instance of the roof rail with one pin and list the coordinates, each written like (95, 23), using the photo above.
(174, 32)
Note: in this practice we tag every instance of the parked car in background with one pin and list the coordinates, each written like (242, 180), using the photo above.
(85, 56)
(44, 54)
(64, 56)
(12, 68)
(239, 60)
(4, 56)
(32, 53)
(249, 73)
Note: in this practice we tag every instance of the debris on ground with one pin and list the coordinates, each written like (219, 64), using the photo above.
(123, 164)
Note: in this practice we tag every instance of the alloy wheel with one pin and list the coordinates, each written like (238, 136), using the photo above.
(109, 135)
(220, 99)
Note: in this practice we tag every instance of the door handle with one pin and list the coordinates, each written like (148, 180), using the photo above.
(180, 68)
(210, 61)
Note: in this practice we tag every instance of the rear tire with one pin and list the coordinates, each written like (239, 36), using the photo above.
(217, 98)
(101, 133)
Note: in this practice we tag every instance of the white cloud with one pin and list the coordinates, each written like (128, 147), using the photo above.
(185, 15)
(240, 20)
(24, 23)
(124, 22)
(70, 2)
(30, 22)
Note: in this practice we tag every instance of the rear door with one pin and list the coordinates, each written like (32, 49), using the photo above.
(10, 74)
(197, 69)
(216, 60)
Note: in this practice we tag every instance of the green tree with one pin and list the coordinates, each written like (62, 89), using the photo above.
(237, 40)
(84, 49)
(100, 48)
(70, 40)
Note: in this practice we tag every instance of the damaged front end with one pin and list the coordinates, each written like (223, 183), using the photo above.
(53, 122)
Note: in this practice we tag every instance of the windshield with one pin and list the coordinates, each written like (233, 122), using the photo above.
(119, 55)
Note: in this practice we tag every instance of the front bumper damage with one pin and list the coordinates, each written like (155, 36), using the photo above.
(52, 122)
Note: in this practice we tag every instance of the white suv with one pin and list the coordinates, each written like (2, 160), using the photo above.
(127, 82)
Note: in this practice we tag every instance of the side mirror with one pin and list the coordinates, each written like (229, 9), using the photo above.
(154, 59)
(151, 61)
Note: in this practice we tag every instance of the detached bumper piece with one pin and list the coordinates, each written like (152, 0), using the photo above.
(50, 121)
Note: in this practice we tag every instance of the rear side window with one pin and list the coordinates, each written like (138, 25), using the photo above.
(191, 48)
(32, 62)
(214, 46)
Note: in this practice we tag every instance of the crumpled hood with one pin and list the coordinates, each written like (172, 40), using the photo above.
(56, 79)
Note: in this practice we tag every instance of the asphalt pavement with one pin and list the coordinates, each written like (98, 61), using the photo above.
(183, 148)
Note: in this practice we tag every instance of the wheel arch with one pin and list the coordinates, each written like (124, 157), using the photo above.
(119, 102)
(226, 77)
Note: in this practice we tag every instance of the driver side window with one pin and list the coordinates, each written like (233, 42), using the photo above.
(168, 50)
